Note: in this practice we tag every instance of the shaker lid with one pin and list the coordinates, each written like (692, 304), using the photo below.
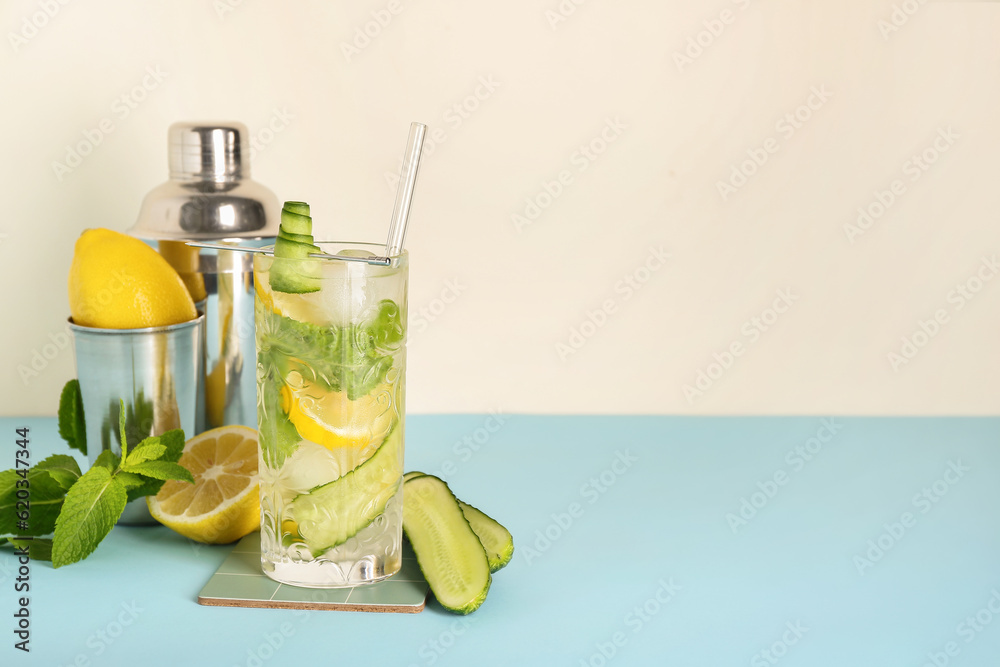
(209, 151)
(210, 194)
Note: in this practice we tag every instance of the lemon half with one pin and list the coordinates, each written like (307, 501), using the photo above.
(223, 504)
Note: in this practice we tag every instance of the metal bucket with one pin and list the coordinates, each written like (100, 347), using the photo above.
(157, 371)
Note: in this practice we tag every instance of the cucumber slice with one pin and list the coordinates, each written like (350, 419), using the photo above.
(294, 277)
(448, 551)
(332, 513)
(299, 207)
(497, 540)
(291, 249)
(295, 241)
(295, 223)
(298, 238)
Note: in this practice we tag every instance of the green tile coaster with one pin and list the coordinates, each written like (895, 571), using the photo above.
(239, 582)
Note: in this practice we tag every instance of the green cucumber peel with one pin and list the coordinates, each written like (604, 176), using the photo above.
(332, 513)
(448, 550)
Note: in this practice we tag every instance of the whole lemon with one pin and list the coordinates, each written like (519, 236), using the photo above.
(118, 282)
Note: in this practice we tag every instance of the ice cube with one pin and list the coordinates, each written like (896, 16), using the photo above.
(356, 252)
(309, 466)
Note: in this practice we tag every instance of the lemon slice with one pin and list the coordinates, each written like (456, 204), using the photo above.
(330, 419)
(266, 295)
(223, 504)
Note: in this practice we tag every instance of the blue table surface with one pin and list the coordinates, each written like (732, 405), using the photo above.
(639, 541)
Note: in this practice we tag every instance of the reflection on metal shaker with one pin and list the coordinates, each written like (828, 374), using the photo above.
(210, 197)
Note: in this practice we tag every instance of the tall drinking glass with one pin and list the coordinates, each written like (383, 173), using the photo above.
(331, 369)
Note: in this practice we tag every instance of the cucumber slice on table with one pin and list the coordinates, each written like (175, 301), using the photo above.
(448, 551)
(496, 540)
(332, 513)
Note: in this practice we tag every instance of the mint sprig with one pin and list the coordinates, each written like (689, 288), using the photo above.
(90, 511)
(79, 510)
(352, 358)
(47, 483)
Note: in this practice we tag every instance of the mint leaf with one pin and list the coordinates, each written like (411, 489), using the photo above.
(387, 325)
(45, 498)
(279, 438)
(72, 426)
(148, 449)
(64, 469)
(174, 442)
(353, 358)
(121, 428)
(8, 486)
(130, 481)
(107, 459)
(90, 511)
(162, 470)
(38, 548)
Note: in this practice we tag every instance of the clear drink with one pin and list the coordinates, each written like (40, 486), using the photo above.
(330, 410)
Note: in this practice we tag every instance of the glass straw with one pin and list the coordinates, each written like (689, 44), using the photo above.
(404, 191)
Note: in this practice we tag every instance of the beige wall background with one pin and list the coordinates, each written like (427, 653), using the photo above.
(624, 207)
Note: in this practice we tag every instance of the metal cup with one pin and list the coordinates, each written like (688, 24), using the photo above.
(157, 371)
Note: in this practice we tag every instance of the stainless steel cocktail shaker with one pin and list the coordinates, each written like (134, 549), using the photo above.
(210, 197)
